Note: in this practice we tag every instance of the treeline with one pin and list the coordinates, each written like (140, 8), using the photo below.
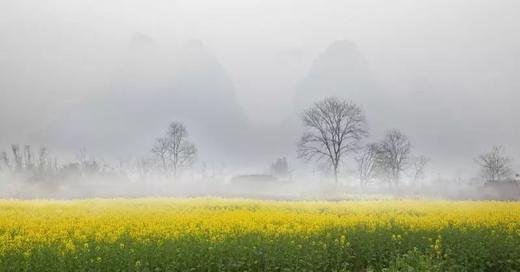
(337, 128)
(173, 153)
(334, 130)
(37, 164)
(25, 160)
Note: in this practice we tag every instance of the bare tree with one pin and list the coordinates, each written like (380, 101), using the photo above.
(332, 128)
(494, 165)
(419, 168)
(393, 155)
(367, 163)
(182, 152)
(28, 157)
(161, 149)
(42, 158)
(174, 150)
(17, 156)
(5, 159)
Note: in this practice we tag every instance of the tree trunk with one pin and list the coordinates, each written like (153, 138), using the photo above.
(336, 174)
(164, 163)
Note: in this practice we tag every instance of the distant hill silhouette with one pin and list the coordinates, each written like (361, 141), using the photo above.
(341, 70)
(149, 90)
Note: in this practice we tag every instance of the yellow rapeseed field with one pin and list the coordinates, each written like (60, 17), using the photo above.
(216, 234)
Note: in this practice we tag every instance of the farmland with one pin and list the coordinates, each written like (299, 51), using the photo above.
(164, 234)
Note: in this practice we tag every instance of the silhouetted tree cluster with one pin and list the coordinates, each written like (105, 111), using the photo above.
(280, 168)
(387, 159)
(173, 152)
(40, 166)
(334, 128)
(26, 161)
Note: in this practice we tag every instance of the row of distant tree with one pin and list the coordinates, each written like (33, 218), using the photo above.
(25, 159)
(37, 164)
(334, 130)
(173, 152)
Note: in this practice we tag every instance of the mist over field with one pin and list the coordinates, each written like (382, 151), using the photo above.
(89, 88)
(259, 135)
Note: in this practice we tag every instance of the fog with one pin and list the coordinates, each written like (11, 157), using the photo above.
(108, 77)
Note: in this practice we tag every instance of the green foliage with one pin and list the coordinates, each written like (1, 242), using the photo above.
(336, 249)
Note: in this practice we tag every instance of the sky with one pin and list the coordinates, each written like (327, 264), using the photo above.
(450, 68)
